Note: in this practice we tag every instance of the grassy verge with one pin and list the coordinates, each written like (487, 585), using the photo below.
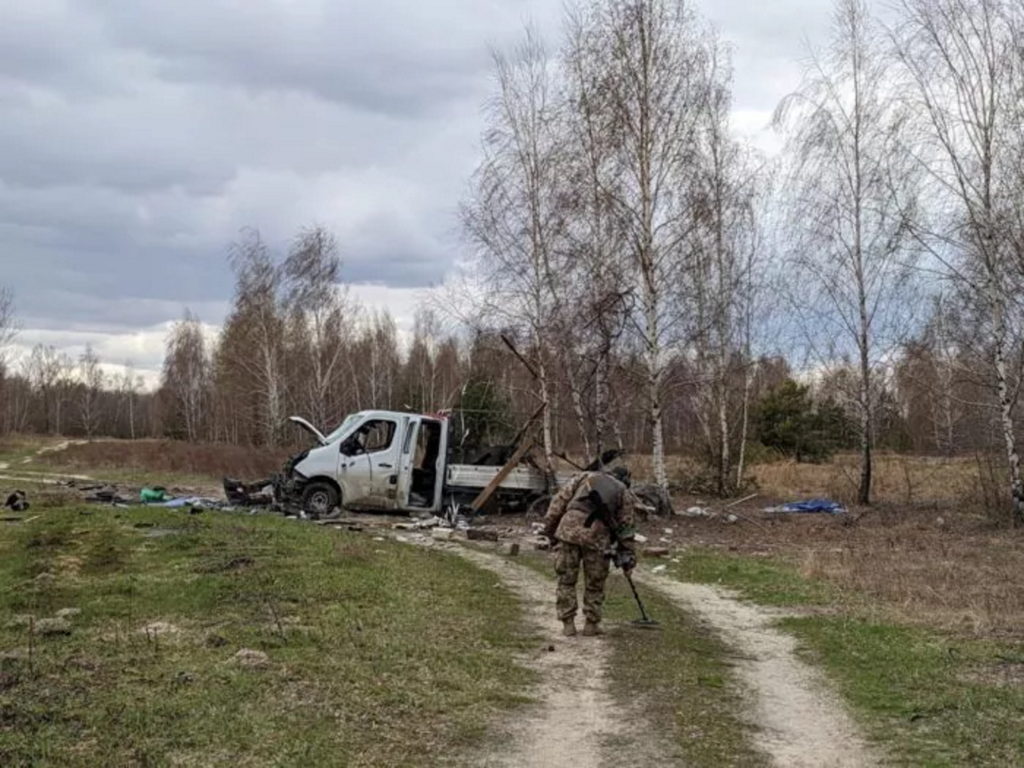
(930, 698)
(678, 676)
(375, 653)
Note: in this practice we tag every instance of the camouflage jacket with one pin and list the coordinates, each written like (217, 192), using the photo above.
(571, 508)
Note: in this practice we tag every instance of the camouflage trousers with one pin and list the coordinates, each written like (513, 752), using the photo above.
(595, 571)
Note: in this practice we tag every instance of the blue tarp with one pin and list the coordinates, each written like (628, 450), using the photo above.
(814, 505)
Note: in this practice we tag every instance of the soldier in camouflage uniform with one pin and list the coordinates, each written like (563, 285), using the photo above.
(576, 524)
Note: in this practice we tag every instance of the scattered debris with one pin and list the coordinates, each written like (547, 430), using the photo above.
(659, 568)
(653, 497)
(17, 502)
(214, 640)
(542, 545)
(247, 657)
(441, 534)
(481, 534)
(811, 506)
(68, 613)
(697, 512)
(159, 493)
(656, 551)
(20, 621)
(640, 538)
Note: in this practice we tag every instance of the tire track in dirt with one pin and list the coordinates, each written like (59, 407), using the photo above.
(577, 722)
(800, 722)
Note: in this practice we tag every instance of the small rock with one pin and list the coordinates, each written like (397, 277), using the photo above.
(731, 519)
(247, 657)
(667, 531)
(511, 548)
(184, 678)
(551, 649)
(20, 621)
(442, 534)
(656, 552)
(542, 545)
(159, 629)
(56, 626)
(68, 613)
(659, 568)
(215, 641)
(481, 534)
(640, 538)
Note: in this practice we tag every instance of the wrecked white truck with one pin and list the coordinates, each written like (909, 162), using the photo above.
(392, 461)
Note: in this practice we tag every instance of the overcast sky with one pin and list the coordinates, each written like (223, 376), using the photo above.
(137, 138)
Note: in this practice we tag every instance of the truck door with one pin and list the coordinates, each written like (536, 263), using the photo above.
(383, 447)
(409, 442)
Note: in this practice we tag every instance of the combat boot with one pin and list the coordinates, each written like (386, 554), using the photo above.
(592, 629)
(569, 628)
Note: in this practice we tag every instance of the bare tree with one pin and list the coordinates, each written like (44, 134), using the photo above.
(851, 197)
(253, 343)
(128, 384)
(656, 79)
(514, 216)
(186, 374)
(597, 286)
(963, 61)
(92, 380)
(8, 325)
(319, 315)
(717, 281)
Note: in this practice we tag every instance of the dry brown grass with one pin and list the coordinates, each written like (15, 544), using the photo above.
(896, 479)
(169, 456)
(943, 569)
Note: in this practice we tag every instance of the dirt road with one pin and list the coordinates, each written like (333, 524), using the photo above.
(576, 722)
(800, 722)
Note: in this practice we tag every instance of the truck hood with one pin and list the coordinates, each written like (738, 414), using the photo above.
(309, 428)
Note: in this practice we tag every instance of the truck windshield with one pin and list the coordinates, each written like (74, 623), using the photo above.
(342, 427)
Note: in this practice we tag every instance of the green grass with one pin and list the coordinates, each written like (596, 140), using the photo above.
(765, 581)
(379, 653)
(678, 676)
(930, 699)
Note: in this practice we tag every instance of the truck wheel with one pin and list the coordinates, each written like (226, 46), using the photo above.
(318, 499)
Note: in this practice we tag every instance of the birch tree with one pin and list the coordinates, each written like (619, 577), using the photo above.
(963, 64)
(655, 87)
(718, 273)
(92, 379)
(319, 316)
(186, 374)
(253, 345)
(599, 286)
(514, 217)
(851, 198)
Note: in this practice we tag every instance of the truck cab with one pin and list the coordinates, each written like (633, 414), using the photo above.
(375, 460)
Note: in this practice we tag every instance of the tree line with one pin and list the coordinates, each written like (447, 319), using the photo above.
(650, 279)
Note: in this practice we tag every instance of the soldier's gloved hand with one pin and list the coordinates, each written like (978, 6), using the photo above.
(626, 560)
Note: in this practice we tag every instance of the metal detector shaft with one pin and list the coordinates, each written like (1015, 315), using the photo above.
(639, 602)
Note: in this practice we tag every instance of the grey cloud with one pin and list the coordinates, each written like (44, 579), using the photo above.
(137, 139)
